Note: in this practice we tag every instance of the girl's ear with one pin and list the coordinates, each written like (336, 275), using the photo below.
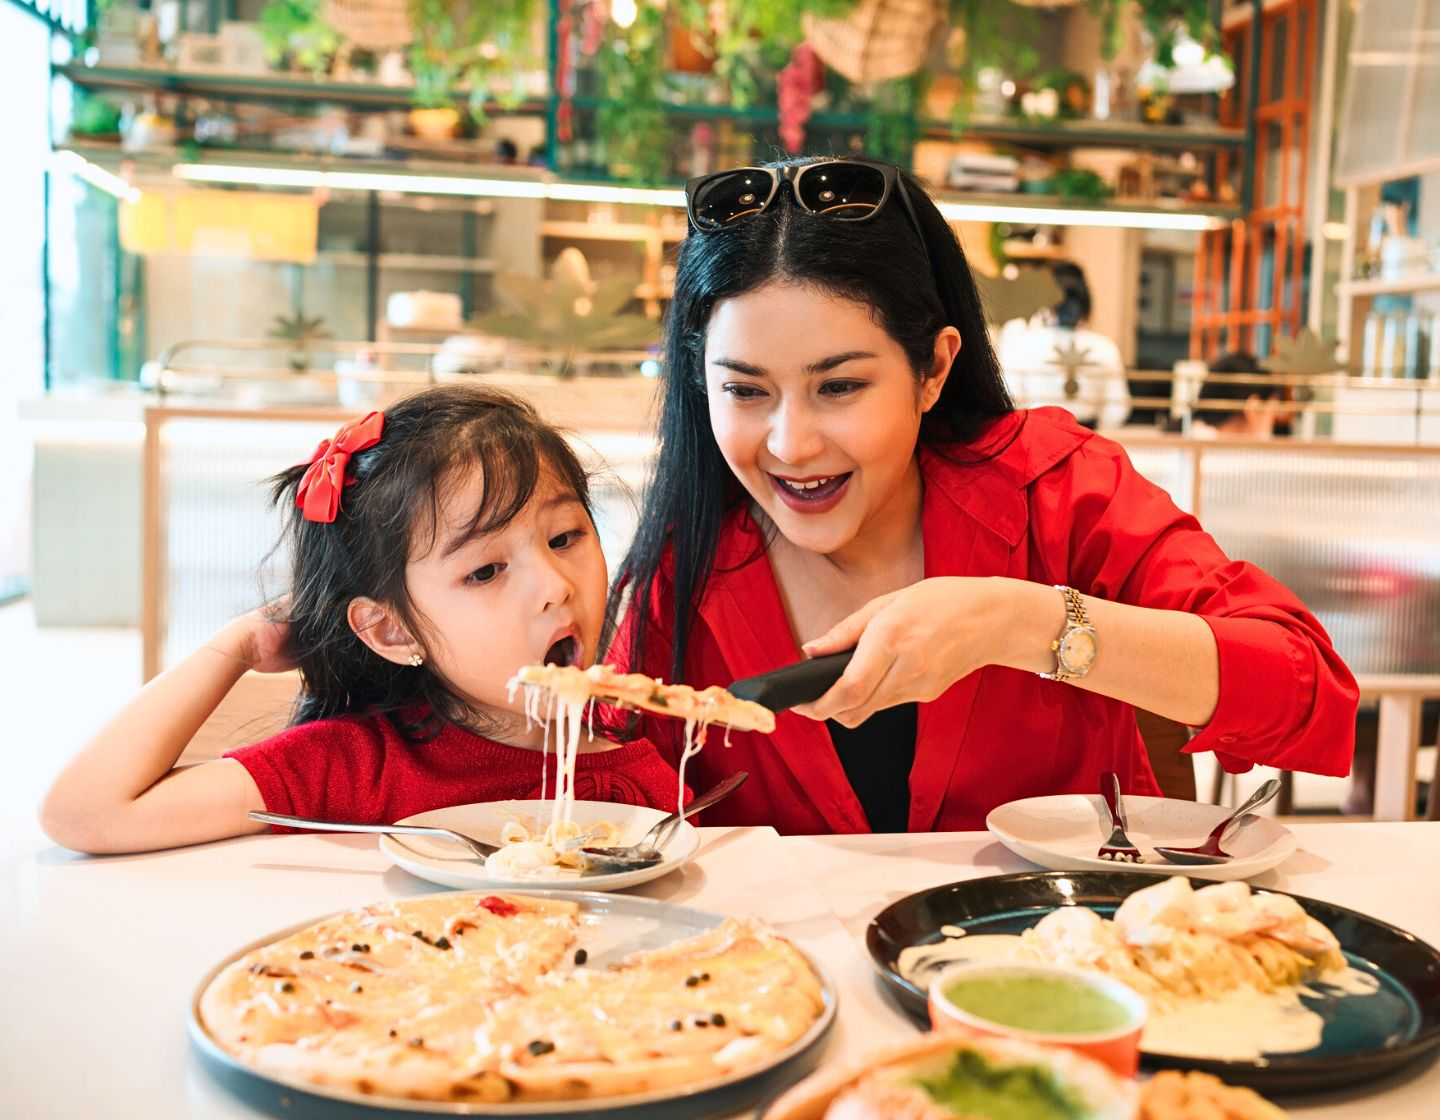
(947, 346)
(374, 625)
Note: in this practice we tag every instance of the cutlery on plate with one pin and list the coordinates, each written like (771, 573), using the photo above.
(648, 850)
(1210, 851)
(789, 685)
(478, 847)
(1118, 847)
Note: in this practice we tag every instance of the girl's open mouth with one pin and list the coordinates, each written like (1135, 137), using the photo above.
(564, 652)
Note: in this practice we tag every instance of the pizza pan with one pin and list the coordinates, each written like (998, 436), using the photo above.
(613, 926)
(1365, 1036)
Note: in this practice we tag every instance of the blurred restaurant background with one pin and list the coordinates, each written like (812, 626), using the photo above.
(1211, 229)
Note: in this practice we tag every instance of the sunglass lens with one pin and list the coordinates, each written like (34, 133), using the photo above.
(727, 197)
(848, 191)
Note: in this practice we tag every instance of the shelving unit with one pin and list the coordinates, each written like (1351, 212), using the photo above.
(563, 204)
(267, 88)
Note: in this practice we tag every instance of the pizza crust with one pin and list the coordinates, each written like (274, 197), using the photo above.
(488, 1006)
(635, 690)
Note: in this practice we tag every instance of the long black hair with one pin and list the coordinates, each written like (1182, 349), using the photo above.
(390, 511)
(880, 263)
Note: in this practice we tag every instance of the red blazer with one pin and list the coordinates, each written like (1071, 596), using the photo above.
(1058, 505)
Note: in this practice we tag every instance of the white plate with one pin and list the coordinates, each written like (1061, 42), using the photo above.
(611, 928)
(1063, 832)
(451, 866)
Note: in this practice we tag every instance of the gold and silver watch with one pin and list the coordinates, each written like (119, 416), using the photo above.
(1078, 645)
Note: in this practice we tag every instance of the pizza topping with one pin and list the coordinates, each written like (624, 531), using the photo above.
(500, 907)
(441, 943)
(581, 956)
(356, 988)
(358, 947)
(307, 955)
(506, 1016)
(286, 986)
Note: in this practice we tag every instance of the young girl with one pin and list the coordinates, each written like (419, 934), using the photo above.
(437, 547)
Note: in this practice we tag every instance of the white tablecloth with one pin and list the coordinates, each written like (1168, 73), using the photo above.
(99, 957)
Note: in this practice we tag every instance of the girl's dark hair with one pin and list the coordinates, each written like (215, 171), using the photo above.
(880, 263)
(1074, 308)
(389, 513)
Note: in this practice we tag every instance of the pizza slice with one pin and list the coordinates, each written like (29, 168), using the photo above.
(572, 684)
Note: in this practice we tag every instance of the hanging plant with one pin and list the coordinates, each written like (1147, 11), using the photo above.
(1164, 19)
(631, 121)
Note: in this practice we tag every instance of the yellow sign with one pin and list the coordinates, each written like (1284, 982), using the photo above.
(256, 226)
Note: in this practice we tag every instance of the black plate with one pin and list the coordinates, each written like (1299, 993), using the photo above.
(1364, 1037)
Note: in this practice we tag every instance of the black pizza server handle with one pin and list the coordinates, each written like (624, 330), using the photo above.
(790, 685)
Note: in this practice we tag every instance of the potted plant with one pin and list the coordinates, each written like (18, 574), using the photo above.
(302, 331)
(296, 37)
(462, 45)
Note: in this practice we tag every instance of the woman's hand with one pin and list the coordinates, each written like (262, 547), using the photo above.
(914, 643)
(258, 640)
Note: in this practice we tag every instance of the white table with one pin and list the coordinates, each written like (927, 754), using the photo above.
(99, 957)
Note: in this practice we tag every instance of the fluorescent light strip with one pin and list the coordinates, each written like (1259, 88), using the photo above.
(95, 175)
(423, 184)
(597, 192)
(1056, 216)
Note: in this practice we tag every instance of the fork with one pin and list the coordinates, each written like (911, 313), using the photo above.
(478, 847)
(647, 851)
(1118, 847)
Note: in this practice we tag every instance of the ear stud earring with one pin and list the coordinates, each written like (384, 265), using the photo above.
(416, 661)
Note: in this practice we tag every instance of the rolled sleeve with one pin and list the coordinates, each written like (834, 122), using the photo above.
(1286, 699)
(1282, 701)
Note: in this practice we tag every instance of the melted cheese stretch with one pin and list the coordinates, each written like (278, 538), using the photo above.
(570, 690)
(543, 856)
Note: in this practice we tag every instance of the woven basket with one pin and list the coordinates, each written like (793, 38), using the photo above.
(879, 40)
(372, 25)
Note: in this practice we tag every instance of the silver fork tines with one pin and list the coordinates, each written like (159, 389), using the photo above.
(1118, 847)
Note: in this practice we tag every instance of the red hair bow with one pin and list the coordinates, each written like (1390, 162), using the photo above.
(319, 493)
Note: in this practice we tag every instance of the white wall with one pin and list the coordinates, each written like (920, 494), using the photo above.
(24, 77)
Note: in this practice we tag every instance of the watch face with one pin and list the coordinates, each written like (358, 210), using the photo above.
(1078, 650)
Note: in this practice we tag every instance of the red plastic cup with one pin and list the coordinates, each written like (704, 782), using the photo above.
(1118, 1048)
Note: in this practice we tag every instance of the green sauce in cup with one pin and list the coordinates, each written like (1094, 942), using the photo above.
(1037, 1002)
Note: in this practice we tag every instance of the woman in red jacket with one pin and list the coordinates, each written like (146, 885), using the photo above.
(839, 466)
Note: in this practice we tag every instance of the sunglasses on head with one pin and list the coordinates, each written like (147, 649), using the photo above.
(846, 190)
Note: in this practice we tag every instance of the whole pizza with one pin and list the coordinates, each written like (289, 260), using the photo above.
(483, 997)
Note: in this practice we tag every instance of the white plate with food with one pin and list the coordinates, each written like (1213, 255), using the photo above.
(525, 822)
(524, 1004)
(1062, 832)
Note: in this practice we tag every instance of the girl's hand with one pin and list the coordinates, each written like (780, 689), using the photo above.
(913, 644)
(258, 639)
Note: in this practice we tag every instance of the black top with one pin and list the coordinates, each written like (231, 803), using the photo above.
(877, 757)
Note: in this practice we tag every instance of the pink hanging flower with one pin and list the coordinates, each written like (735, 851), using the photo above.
(802, 78)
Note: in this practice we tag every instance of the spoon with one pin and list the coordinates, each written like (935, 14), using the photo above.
(1210, 851)
(647, 852)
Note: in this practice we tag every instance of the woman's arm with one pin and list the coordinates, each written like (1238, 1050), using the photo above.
(914, 643)
(1184, 630)
(122, 792)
